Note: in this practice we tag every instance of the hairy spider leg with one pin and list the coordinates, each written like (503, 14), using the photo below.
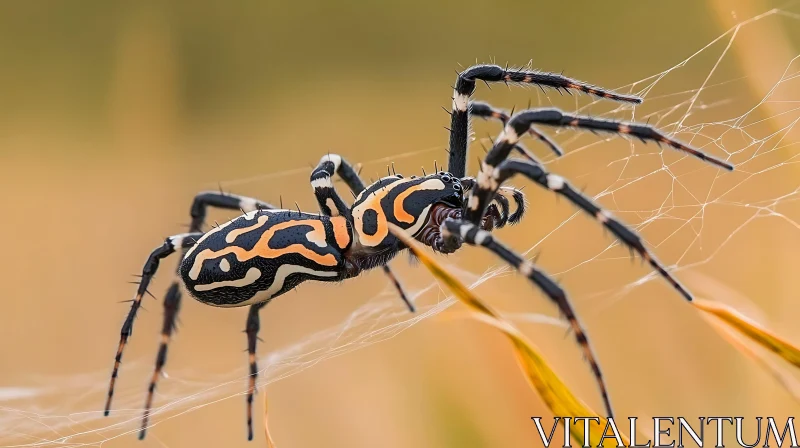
(321, 181)
(559, 185)
(471, 234)
(252, 329)
(487, 111)
(199, 211)
(465, 87)
(172, 300)
(522, 122)
(148, 271)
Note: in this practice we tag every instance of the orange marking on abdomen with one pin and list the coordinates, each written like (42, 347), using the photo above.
(340, 232)
(262, 249)
(233, 234)
(373, 201)
(399, 212)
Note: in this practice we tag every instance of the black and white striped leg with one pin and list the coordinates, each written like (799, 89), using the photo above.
(522, 122)
(198, 211)
(321, 181)
(226, 201)
(252, 329)
(486, 111)
(471, 234)
(172, 303)
(148, 271)
(560, 186)
(501, 204)
(465, 87)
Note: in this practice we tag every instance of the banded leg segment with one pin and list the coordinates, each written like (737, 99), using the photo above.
(321, 181)
(486, 111)
(172, 300)
(252, 329)
(560, 186)
(465, 87)
(148, 271)
(471, 234)
(522, 122)
(501, 204)
(225, 201)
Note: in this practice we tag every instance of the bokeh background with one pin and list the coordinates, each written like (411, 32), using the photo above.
(115, 113)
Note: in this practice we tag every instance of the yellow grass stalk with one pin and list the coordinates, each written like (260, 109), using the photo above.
(561, 401)
(752, 330)
(267, 436)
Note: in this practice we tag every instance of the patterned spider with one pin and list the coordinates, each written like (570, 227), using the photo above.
(267, 251)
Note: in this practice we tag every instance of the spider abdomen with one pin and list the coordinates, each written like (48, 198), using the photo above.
(262, 254)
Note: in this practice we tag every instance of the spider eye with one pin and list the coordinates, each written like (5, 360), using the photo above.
(457, 187)
(447, 178)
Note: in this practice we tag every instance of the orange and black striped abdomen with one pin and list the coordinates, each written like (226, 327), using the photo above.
(263, 254)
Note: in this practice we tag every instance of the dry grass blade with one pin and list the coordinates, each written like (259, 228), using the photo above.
(748, 328)
(561, 401)
(779, 372)
(267, 436)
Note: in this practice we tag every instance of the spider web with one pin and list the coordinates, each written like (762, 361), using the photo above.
(685, 199)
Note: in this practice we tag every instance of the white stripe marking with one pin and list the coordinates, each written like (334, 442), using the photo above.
(283, 272)
(252, 275)
(480, 238)
(248, 204)
(473, 202)
(510, 135)
(335, 158)
(464, 229)
(321, 183)
(460, 101)
(555, 182)
(421, 220)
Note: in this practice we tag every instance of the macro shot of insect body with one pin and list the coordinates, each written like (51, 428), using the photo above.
(267, 250)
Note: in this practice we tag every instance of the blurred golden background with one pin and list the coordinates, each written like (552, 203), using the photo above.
(114, 114)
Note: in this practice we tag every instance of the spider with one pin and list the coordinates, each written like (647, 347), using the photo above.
(267, 251)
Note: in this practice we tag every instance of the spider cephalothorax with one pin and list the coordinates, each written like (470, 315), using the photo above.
(267, 251)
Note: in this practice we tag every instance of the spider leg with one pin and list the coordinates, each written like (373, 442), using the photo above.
(486, 111)
(322, 183)
(172, 300)
(559, 185)
(521, 123)
(148, 271)
(471, 234)
(499, 200)
(324, 191)
(225, 201)
(252, 329)
(465, 87)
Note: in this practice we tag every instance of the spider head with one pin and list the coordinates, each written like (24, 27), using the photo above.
(446, 202)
